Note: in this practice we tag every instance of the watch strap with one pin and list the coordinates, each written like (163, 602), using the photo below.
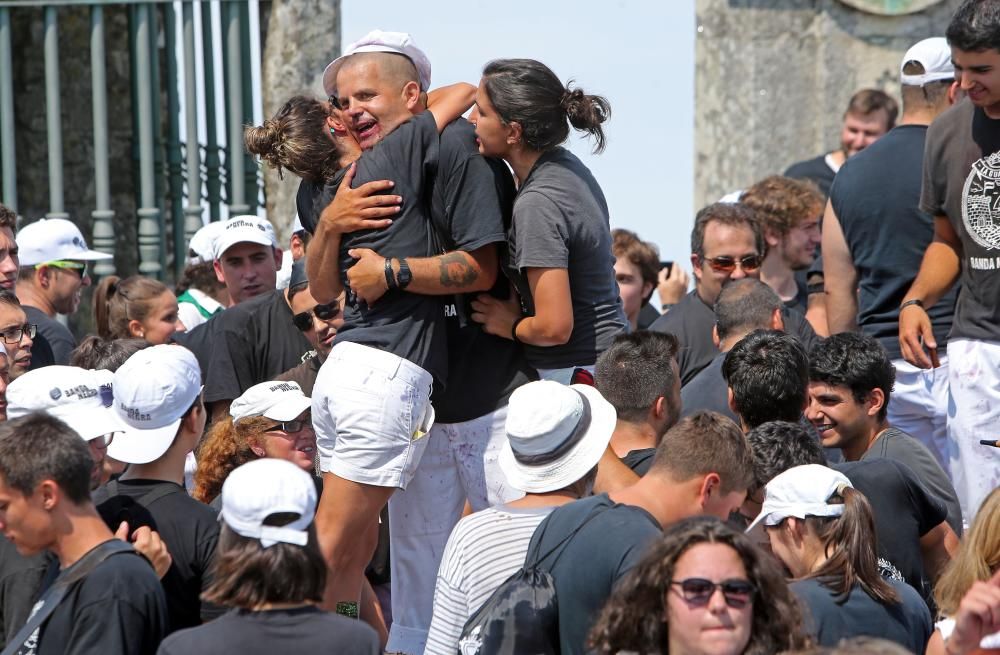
(390, 277)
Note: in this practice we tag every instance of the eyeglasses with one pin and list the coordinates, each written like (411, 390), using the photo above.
(16, 333)
(726, 264)
(80, 268)
(291, 427)
(698, 591)
(105, 440)
(303, 320)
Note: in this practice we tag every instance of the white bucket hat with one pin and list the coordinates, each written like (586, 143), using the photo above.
(802, 491)
(267, 486)
(555, 435)
(279, 401)
(79, 397)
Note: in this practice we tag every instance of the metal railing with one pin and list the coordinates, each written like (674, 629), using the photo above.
(190, 167)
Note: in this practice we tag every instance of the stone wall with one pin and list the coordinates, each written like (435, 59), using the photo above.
(773, 78)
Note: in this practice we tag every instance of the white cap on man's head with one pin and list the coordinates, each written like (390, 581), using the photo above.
(52, 240)
(267, 486)
(203, 243)
(246, 228)
(399, 43)
(153, 390)
(934, 55)
(79, 397)
(802, 491)
(278, 401)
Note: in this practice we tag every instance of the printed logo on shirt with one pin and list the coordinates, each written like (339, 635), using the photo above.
(470, 644)
(981, 202)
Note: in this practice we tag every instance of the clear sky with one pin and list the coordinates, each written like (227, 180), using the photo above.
(637, 53)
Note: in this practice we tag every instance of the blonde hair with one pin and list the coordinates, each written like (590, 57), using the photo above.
(977, 558)
(226, 446)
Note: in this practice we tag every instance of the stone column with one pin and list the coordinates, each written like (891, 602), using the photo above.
(773, 77)
(302, 37)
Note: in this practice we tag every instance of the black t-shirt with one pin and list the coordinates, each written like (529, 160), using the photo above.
(561, 220)
(815, 169)
(118, 609)
(190, 531)
(691, 321)
(59, 338)
(897, 445)
(708, 391)
(586, 569)
(408, 325)
(41, 352)
(20, 581)
(904, 512)
(639, 460)
(908, 623)
(247, 344)
(301, 630)
(961, 168)
(876, 197)
(647, 315)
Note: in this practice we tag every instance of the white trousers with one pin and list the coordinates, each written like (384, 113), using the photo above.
(919, 406)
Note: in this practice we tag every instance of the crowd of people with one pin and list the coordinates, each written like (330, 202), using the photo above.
(450, 418)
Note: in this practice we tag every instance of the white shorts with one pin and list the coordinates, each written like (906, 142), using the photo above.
(371, 412)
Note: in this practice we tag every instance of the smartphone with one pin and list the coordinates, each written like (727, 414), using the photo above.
(666, 265)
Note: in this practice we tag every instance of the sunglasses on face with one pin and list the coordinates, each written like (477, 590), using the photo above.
(290, 427)
(80, 268)
(698, 591)
(726, 264)
(18, 332)
(303, 320)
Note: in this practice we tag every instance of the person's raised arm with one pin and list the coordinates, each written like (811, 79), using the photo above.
(939, 269)
(840, 276)
(449, 102)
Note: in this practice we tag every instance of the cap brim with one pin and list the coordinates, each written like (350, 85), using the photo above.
(289, 408)
(576, 463)
(143, 446)
(91, 422)
(760, 517)
(222, 245)
(91, 255)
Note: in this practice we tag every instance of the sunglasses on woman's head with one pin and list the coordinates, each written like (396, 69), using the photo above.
(303, 320)
(698, 591)
(726, 264)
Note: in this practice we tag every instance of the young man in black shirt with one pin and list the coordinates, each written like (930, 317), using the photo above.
(157, 396)
(874, 236)
(118, 607)
(726, 244)
(638, 375)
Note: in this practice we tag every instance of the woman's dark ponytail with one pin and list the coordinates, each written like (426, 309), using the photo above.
(586, 113)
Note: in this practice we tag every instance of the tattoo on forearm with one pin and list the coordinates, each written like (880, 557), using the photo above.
(456, 270)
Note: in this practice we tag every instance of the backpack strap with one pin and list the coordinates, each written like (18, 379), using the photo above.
(533, 558)
(158, 492)
(55, 594)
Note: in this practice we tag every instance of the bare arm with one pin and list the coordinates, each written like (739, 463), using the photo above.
(939, 269)
(454, 272)
(937, 547)
(840, 276)
(449, 102)
(552, 323)
(613, 474)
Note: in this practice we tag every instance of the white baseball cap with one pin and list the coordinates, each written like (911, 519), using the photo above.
(81, 398)
(51, 240)
(266, 486)
(246, 228)
(555, 434)
(934, 55)
(400, 43)
(154, 388)
(279, 401)
(802, 491)
(203, 243)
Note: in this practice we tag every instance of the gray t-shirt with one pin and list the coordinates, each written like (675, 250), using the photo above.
(896, 445)
(60, 339)
(961, 173)
(409, 325)
(561, 220)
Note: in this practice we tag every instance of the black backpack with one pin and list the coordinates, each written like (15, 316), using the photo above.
(522, 615)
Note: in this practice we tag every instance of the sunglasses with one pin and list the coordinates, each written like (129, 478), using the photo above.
(303, 320)
(291, 427)
(698, 591)
(726, 264)
(18, 332)
(80, 268)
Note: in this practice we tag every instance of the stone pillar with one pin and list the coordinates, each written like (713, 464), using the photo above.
(302, 37)
(773, 77)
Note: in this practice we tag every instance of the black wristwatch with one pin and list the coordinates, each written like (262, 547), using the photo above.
(404, 276)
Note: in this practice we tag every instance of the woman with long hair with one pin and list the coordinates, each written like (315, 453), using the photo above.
(703, 588)
(977, 560)
(268, 568)
(560, 238)
(823, 530)
(135, 307)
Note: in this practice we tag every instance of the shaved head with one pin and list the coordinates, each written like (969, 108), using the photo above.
(391, 66)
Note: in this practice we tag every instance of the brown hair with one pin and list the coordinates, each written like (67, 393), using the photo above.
(868, 101)
(201, 277)
(977, 559)
(850, 544)
(294, 139)
(226, 446)
(118, 301)
(249, 576)
(635, 617)
(642, 255)
(9, 298)
(8, 218)
(95, 352)
(732, 214)
(781, 203)
(703, 443)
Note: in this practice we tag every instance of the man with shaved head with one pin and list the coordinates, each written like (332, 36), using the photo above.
(377, 86)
